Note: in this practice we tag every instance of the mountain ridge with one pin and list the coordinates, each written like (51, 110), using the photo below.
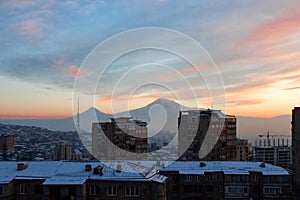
(247, 126)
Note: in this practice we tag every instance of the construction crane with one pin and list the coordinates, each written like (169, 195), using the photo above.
(268, 138)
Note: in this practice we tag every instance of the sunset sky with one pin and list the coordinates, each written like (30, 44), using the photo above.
(255, 46)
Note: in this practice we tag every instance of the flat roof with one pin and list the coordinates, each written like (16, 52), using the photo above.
(227, 167)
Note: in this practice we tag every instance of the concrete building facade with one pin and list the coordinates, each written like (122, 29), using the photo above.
(217, 129)
(63, 151)
(118, 139)
(7, 145)
(242, 150)
(275, 155)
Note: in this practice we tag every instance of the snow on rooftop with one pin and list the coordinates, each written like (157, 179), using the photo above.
(228, 167)
(74, 173)
(7, 172)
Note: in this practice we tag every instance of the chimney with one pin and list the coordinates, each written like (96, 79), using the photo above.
(202, 164)
(262, 165)
(88, 167)
(98, 170)
(20, 166)
(119, 168)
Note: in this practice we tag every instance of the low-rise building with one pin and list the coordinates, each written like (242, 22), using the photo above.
(226, 180)
(79, 180)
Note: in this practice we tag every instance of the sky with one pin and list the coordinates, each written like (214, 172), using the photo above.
(246, 61)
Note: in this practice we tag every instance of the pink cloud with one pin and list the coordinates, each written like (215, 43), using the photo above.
(73, 70)
(275, 31)
(33, 25)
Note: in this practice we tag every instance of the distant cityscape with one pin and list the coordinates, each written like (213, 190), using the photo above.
(232, 168)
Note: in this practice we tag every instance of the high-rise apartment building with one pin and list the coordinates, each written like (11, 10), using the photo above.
(242, 150)
(63, 151)
(7, 144)
(120, 138)
(206, 130)
(275, 155)
(296, 150)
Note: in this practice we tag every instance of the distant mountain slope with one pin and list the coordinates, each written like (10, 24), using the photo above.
(161, 114)
(64, 124)
(155, 113)
(251, 127)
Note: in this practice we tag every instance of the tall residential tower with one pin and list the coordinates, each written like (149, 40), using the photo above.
(296, 150)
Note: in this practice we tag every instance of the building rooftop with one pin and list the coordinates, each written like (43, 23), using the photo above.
(228, 167)
(206, 112)
(75, 173)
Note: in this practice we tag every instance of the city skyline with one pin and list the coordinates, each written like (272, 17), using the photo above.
(254, 44)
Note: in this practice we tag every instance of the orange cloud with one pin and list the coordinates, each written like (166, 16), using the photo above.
(292, 88)
(248, 87)
(244, 102)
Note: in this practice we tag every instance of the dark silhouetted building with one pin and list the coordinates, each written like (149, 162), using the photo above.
(296, 151)
(50, 180)
(226, 180)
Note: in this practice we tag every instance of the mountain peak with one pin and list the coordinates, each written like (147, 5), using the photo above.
(163, 101)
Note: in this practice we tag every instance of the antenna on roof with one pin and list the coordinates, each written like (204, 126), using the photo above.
(78, 122)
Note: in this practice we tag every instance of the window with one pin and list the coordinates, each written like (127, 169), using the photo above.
(188, 189)
(243, 178)
(72, 191)
(255, 178)
(112, 190)
(237, 189)
(220, 188)
(209, 188)
(21, 189)
(283, 179)
(94, 189)
(219, 177)
(188, 178)
(174, 188)
(198, 178)
(268, 178)
(132, 191)
(38, 189)
(272, 190)
(234, 178)
(198, 188)
(175, 177)
(209, 177)
(1, 190)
